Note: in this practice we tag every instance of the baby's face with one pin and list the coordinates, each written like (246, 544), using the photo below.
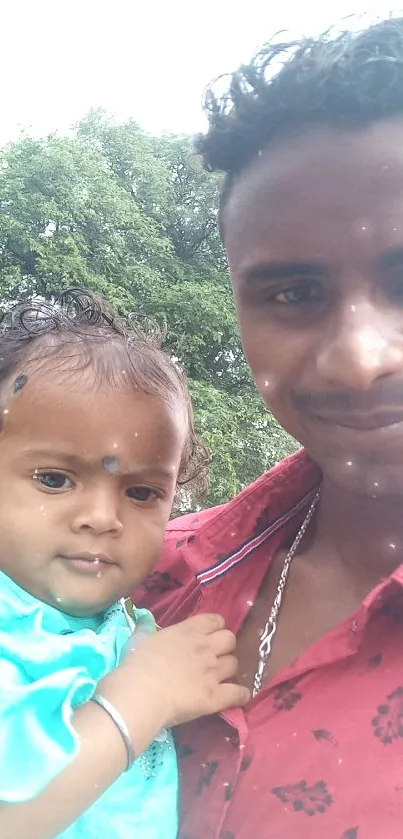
(87, 480)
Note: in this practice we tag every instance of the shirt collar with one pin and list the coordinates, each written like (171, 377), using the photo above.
(254, 511)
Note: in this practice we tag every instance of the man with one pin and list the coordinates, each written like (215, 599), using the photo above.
(305, 564)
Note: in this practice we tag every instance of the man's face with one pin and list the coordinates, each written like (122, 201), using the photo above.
(314, 235)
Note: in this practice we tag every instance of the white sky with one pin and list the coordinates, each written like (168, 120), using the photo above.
(146, 59)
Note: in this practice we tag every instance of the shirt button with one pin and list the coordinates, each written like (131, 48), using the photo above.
(354, 626)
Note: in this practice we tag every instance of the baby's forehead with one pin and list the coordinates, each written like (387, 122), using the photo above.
(90, 416)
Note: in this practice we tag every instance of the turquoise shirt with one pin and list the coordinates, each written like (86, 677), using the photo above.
(50, 663)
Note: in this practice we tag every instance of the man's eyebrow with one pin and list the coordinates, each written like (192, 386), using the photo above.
(283, 270)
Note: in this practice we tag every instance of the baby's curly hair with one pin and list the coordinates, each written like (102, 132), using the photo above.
(346, 81)
(78, 331)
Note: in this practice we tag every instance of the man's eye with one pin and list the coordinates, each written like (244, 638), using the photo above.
(302, 293)
(141, 493)
(56, 481)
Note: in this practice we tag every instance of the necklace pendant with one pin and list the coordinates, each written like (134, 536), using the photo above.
(264, 652)
(266, 639)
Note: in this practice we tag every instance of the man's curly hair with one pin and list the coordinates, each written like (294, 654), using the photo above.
(346, 81)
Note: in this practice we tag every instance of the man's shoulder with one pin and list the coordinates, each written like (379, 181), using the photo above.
(193, 542)
(195, 521)
(274, 485)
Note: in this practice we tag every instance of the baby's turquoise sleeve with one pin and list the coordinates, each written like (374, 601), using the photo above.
(38, 693)
(46, 671)
(50, 664)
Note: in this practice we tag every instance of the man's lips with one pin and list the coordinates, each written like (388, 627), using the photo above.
(361, 421)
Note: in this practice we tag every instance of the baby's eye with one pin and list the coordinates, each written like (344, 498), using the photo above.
(53, 481)
(141, 494)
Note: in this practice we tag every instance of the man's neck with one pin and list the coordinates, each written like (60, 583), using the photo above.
(361, 534)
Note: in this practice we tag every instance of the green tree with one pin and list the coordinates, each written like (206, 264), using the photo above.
(64, 220)
(135, 218)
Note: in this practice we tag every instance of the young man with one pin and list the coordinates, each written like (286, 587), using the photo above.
(305, 564)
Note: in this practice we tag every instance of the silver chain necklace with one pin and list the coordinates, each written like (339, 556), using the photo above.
(269, 631)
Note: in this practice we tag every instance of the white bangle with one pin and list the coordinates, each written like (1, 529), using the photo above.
(120, 724)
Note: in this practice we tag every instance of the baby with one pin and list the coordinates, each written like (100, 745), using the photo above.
(96, 435)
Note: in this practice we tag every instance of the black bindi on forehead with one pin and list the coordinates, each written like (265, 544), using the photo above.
(19, 383)
(110, 464)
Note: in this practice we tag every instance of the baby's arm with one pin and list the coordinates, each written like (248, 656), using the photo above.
(174, 676)
(101, 759)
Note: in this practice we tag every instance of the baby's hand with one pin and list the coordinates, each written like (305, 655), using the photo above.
(185, 669)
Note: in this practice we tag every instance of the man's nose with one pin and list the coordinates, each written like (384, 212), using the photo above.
(361, 345)
(98, 511)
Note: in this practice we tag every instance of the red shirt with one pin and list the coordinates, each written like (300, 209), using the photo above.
(319, 753)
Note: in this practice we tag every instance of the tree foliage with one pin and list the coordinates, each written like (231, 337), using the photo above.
(133, 218)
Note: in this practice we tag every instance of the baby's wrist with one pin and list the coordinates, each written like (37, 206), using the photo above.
(120, 724)
(143, 710)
